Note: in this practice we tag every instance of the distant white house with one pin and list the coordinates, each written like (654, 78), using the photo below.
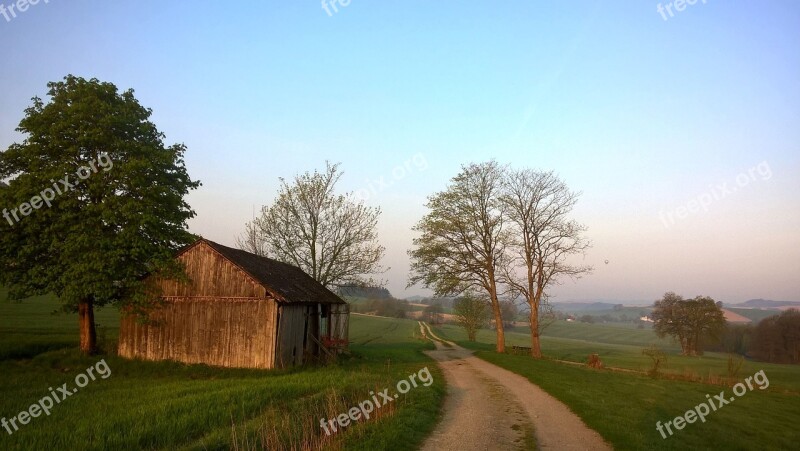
(646, 319)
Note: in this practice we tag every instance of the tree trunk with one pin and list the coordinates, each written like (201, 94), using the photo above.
(87, 328)
(684, 345)
(698, 346)
(536, 349)
(498, 324)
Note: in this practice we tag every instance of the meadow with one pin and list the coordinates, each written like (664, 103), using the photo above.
(167, 405)
(625, 406)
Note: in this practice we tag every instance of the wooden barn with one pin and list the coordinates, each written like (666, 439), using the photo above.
(238, 310)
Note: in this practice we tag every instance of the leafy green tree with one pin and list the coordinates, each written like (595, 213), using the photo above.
(472, 313)
(95, 201)
(689, 321)
(329, 236)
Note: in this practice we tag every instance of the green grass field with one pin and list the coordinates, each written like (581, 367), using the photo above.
(624, 407)
(621, 347)
(168, 405)
(165, 405)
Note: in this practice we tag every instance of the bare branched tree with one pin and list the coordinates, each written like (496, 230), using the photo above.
(329, 236)
(543, 238)
(252, 240)
(462, 240)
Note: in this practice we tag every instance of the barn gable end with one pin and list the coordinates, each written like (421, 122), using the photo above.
(212, 276)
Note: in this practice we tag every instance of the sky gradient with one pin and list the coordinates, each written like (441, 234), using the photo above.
(648, 118)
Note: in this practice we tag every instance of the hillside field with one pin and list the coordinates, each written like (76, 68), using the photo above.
(620, 346)
(624, 407)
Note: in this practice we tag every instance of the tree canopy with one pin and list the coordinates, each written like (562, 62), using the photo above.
(95, 201)
(777, 338)
(543, 238)
(472, 313)
(688, 321)
(330, 236)
(500, 231)
(462, 239)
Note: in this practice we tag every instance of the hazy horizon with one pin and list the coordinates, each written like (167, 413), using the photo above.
(683, 139)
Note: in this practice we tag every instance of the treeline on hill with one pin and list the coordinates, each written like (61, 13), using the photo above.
(445, 302)
(699, 324)
(601, 312)
(431, 310)
(392, 308)
(354, 291)
(775, 339)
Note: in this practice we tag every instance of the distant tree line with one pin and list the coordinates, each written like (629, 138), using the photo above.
(359, 291)
(433, 314)
(447, 302)
(775, 339)
(698, 324)
(392, 308)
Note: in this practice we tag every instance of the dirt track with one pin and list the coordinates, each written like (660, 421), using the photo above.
(488, 407)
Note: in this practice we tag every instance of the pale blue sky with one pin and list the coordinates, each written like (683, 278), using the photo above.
(640, 114)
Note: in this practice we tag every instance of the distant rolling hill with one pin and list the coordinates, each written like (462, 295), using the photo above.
(569, 307)
(765, 304)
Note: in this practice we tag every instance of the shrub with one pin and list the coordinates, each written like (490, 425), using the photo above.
(658, 357)
(594, 361)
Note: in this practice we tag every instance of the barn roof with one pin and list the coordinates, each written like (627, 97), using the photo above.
(288, 283)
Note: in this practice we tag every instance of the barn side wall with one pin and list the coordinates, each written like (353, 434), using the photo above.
(220, 332)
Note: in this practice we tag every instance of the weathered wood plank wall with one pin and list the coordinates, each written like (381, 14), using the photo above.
(221, 332)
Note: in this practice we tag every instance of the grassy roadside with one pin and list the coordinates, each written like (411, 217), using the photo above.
(165, 405)
(624, 408)
(622, 348)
